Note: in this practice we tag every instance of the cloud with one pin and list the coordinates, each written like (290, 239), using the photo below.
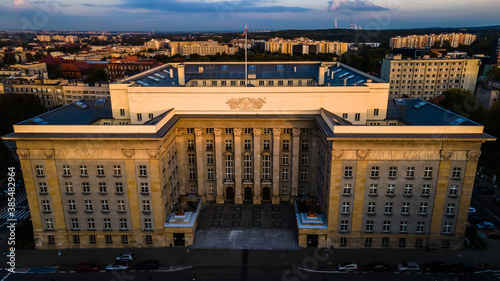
(244, 6)
(21, 5)
(353, 5)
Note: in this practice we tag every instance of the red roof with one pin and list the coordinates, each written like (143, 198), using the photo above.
(49, 59)
(76, 66)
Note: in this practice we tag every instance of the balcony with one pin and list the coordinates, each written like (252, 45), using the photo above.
(248, 181)
(266, 181)
(229, 181)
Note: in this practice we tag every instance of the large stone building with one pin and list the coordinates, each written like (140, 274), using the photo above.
(427, 78)
(384, 172)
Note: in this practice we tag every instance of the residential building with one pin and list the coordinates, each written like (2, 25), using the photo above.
(488, 95)
(429, 40)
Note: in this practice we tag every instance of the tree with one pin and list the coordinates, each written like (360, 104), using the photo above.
(463, 102)
(54, 71)
(494, 73)
(97, 75)
(15, 108)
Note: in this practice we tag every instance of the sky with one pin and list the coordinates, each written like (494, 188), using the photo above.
(217, 15)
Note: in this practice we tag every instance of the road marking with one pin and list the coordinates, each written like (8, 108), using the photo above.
(5, 277)
(498, 219)
(72, 271)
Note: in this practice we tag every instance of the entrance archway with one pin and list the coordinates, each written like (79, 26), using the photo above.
(266, 194)
(230, 193)
(248, 194)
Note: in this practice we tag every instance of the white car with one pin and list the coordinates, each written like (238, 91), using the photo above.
(485, 225)
(125, 257)
(408, 267)
(348, 266)
(118, 266)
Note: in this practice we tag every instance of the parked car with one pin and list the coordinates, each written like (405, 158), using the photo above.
(472, 210)
(476, 218)
(147, 265)
(408, 267)
(118, 266)
(462, 267)
(87, 267)
(436, 267)
(496, 201)
(378, 267)
(125, 257)
(348, 266)
(486, 191)
(485, 225)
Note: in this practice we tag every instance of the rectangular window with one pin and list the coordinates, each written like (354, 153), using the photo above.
(345, 207)
(347, 189)
(42, 187)
(123, 223)
(143, 172)
(343, 241)
(406, 208)
(388, 208)
(190, 131)
(390, 189)
(146, 207)
(229, 167)
(247, 167)
(124, 239)
(375, 112)
(121, 205)
(419, 242)
(284, 175)
(286, 145)
(66, 171)
(305, 145)
(369, 226)
(373, 189)
(408, 188)
(100, 170)
(88, 206)
(74, 223)
(119, 187)
(229, 131)
(385, 241)
(211, 189)
(423, 209)
(393, 171)
(92, 239)
(453, 190)
(191, 159)
(447, 228)
(267, 145)
(117, 170)
(371, 208)
(149, 239)
(368, 241)
(410, 172)
(345, 115)
(357, 116)
(209, 131)
(147, 224)
(210, 145)
(39, 171)
(229, 145)
(91, 223)
(83, 171)
(266, 167)
(192, 174)
(374, 172)
(285, 158)
(144, 188)
(426, 189)
(210, 174)
(284, 190)
(190, 144)
(71, 206)
(122, 112)
(420, 226)
(348, 172)
(51, 239)
(69, 187)
(210, 159)
(86, 187)
(139, 116)
(344, 225)
(105, 205)
(304, 159)
(457, 172)
(76, 239)
(386, 226)
(446, 243)
(303, 175)
(108, 239)
(303, 190)
(102, 188)
(403, 226)
(402, 242)
(49, 224)
(248, 131)
(428, 172)
(450, 209)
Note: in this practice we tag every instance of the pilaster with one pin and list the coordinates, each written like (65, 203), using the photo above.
(218, 165)
(180, 142)
(276, 165)
(238, 198)
(295, 162)
(200, 168)
(257, 168)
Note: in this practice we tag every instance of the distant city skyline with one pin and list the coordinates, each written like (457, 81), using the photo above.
(214, 15)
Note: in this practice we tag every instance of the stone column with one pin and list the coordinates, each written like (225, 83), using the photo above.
(219, 166)
(238, 199)
(180, 142)
(295, 162)
(276, 165)
(256, 166)
(200, 168)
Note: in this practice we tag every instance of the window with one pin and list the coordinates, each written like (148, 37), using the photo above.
(304, 159)
(105, 205)
(102, 188)
(191, 159)
(369, 226)
(385, 241)
(124, 239)
(39, 171)
(284, 159)
(211, 189)
(92, 239)
(388, 208)
(121, 205)
(447, 228)
(261, 83)
(406, 208)
(450, 209)
(408, 188)
(303, 175)
(123, 223)
(117, 170)
(248, 145)
(343, 241)
(428, 172)
(374, 173)
(108, 239)
(143, 172)
(149, 239)
(347, 189)
(146, 206)
(403, 226)
(74, 223)
(390, 189)
(344, 225)
(83, 171)
(210, 159)
(270, 83)
(42, 187)
(88, 206)
(144, 187)
(393, 171)
(229, 131)
(305, 131)
(247, 167)
(209, 131)
(286, 145)
(305, 145)
(71, 206)
(371, 208)
(76, 239)
(210, 145)
(190, 131)
(446, 243)
(248, 131)
(419, 242)
(266, 167)
(119, 187)
(426, 189)
(345, 207)
(69, 187)
(402, 242)
(229, 167)
(373, 189)
(423, 209)
(457, 171)
(210, 174)
(229, 145)
(453, 190)
(51, 239)
(375, 112)
(303, 190)
(91, 223)
(86, 187)
(147, 224)
(122, 112)
(100, 170)
(66, 171)
(267, 145)
(284, 190)
(386, 226)
(190, 144)
(49, 224)
(139, 116)
(420, 226)
(284, 175)
(357, 116)
(410, 172)
(348, 172)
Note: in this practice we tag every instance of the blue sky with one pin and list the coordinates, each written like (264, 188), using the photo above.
(216, 15)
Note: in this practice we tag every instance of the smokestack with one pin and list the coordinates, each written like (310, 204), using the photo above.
(336, 23)
(351, 25)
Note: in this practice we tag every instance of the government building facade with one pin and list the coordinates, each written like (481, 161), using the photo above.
(136, 169)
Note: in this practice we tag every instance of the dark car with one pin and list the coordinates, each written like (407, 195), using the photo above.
(462, 267)
(87, 267)
(476, 218)
(147, 265)
(378, 267)
(486, 191)
(496, 201)
(436, 267)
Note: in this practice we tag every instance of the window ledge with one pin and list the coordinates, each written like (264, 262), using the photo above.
(405, 214)
(346, 194)
(72, 211)
(389, 195)
(452, 195)
(371, 214)
(40, 176)
(89, 211)
(456, 179)
(104, 211)
(119, 193)
(387, 214)
(101, 176)
(373, 195)
(102, 192)
(43, 193)
(70, 193)
(66, 176)
(144, 193)
(143, 176)
(392, 178)
(407, 195)
(84, 176)
(117, 176)
(425, 195)
(427, 178)
(122, 211)
(410, 178)
(347, 177)
(375, 177)
(86, 193)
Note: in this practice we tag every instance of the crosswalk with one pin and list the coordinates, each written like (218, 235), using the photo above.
(19, 199)
(20, 214)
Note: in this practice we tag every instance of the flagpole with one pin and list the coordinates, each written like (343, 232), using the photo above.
(246, 61)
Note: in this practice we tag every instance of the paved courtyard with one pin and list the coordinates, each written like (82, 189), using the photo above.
(247, 226)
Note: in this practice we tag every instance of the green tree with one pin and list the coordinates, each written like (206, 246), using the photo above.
(54, 71)
(16, 108)
(97, 75)
(494, 73)
(464, 103)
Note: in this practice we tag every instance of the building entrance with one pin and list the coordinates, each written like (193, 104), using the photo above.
(248, 194)
(230, 193)
(266, 194)
(179, 239)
